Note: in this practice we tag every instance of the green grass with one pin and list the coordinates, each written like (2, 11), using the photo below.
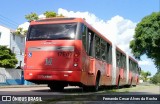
(79, 96)
(131, 89)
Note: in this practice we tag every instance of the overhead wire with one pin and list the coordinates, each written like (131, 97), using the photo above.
(8, 22)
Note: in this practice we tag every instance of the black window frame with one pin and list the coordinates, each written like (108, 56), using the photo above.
(30, 28)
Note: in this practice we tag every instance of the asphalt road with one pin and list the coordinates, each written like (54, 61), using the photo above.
(73, 92)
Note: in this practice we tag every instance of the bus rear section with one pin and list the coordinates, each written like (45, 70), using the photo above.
(134, 72)
(52, 55)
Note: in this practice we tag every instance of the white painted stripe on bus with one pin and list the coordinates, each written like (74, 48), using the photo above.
(51, 48)
(114, 67)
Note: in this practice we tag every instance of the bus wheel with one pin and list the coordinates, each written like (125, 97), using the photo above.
(136, 83)
(131, 83)
(56, 87)
(118, 86)
(96, 87)
(86, 88)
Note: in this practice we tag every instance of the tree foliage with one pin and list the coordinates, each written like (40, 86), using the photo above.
(144, 75)
(20, 31)
(32, 16)
(60, 15)
(50, 14)
(156, 78)
(147, 38)
(7, 58)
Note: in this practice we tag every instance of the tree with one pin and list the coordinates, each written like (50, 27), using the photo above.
(156, 78)
(20, 31)
(7, 58)
(25, 32)
(31, 17)
(60, 15)
(50, 14)
(147, 38)
(144, 75)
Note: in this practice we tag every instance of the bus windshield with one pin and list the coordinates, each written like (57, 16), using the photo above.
(52, 31)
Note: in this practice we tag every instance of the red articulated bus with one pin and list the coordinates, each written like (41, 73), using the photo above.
(68, 51)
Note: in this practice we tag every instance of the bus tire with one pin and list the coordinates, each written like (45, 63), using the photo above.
(131, 83)
(86, 88)
(137, 82)
(56, 87)
(134, 85)
(118, 86)
(96, 87)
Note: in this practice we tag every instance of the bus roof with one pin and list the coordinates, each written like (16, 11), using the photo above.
(126, 54)
(117, 48)
(133, 59)
(56, 20)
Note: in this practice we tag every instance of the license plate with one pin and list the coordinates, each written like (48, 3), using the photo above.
(45, 76)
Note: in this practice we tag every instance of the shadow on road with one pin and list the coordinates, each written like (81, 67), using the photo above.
(66, 90)
(102, 90)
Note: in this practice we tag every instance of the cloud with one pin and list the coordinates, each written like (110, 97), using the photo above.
(42, 16)
(119, 30)
(145, 62)
(24, 26)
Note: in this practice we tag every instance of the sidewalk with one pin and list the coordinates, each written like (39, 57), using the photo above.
(22, 86)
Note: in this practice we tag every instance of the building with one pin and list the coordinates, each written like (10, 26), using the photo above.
(15, 42)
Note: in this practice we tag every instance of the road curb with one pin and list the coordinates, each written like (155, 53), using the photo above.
(21, 86)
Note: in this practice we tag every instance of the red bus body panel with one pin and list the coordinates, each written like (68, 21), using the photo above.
(63, 60)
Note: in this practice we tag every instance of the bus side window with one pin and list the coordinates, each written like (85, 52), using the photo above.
(136, 68)
(121, 60)
(97, 47)
(130, 65)
(109, 53)
(91, 43)
(103, 49)
(84, 39)
(118, 58)
(124, 62)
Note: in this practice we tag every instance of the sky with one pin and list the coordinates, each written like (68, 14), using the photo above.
(115, 19)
